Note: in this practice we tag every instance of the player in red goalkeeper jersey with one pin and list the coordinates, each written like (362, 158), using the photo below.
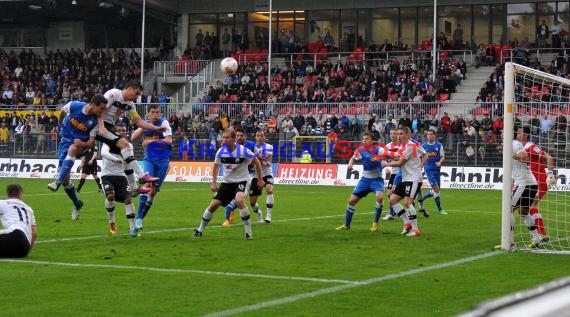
(537, 158)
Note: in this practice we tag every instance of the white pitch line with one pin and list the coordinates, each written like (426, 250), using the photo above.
(218, 226)
(166, 270)
(334, 289)
(178, 229)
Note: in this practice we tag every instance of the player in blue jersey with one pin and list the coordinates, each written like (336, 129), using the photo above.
(158, 149)
(432, 168)
(370, 182)
(79, 129)
(241, 138)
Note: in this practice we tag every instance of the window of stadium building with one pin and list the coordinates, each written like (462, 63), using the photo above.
(498, 13)
(200, 24)
(324, 24)
(425, 23)
(385, 25)
(455, 23)
(408, 25)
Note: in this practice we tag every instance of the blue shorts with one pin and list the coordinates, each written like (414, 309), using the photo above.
(156, 169)
(368, 185)
(62, 149)
(433, 178)
(397, 179)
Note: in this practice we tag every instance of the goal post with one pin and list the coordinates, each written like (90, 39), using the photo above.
(537, 100)
(508, 125)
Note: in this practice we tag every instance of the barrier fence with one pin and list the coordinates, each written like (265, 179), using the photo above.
(285, 174)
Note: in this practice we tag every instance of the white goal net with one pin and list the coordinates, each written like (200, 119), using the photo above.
(536, 106)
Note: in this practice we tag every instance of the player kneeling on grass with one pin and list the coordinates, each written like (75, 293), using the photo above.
(18, 223)
(115, 183)
(234, 158)
(371, 180)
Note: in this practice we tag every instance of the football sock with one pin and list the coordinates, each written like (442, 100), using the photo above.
(98, 181)
(377, 211)
(413, 217)
(229, 208)
(400, 212)
(110, 206)
(392, 212)
(349, 214)
(129, 157)
(269, 204)
(66, 167)
(428, 195)
(131, 177)
(205, 219)
(437, 200)
(147, 206)
(130, 213)
(81, 183)
(70, 191)
(538, 221)
(244, 213)
(255, 208)
(131, 219)
(531, 227)
(142, 202)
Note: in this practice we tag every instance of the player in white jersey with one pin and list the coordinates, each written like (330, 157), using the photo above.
(264, 153)
(391, 173)
(120, 102)
(115, 184)
(235, 159)
(18, 223)
(241, 138)
(410, 164)
(525, 190)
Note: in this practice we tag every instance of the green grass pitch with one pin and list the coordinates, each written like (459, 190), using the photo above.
(299, 265)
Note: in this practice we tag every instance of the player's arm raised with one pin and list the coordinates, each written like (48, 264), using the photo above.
(145, 125)
(137, 134)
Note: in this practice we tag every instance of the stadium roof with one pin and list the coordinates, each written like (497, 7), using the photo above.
(42, 12)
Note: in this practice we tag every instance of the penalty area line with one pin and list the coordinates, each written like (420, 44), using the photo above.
(167, 270)
(334, 289)
(100, 236)
(177, 229)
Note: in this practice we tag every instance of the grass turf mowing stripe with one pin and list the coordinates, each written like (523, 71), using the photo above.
(334, 289)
